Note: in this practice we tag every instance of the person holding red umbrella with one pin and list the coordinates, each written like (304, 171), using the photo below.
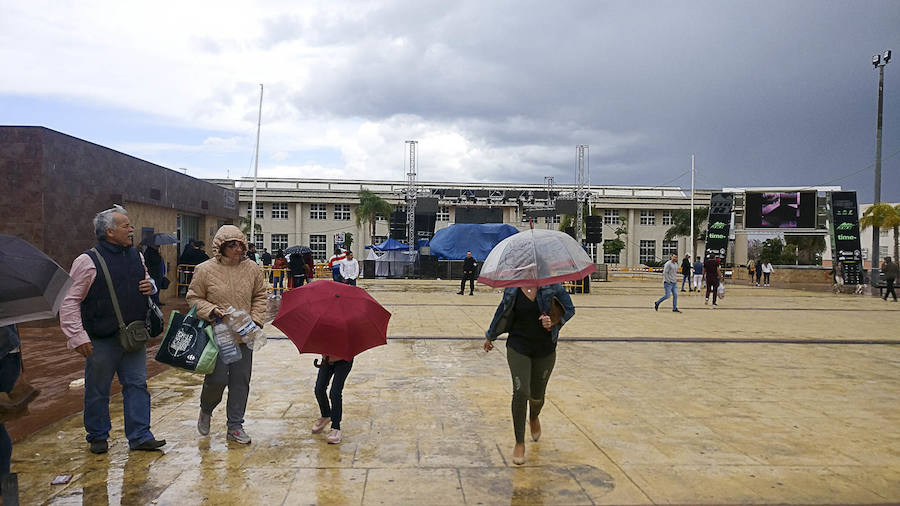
(339, 322)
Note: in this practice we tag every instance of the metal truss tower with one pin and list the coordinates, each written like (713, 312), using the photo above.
(412, 191)
(548, 180)
(582, 159)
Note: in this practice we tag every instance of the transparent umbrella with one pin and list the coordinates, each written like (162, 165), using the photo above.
(535, 258)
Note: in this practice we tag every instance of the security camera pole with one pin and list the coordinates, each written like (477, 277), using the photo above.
(878, 61)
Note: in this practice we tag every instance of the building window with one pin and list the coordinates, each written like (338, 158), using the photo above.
(882, 251)
(259, 210)
(669, 248)
(647, 251)
(443, 213)
(318, 212)
(342, 212)
(279, 242)
(611, 258)
(379, 217)
(378, 239)
(552, 219)
(610, 216)
(667, 218)
(648, 217)
(279, 210)
(319, 246)
(258, 242)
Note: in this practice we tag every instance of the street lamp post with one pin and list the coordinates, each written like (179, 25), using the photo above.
(878, 61)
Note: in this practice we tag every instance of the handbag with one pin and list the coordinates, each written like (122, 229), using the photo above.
(556, 312)
(155, 322)
(164, 283)
(133, 336)
(188, 344)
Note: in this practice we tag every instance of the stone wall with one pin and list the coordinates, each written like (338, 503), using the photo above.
(791, 274)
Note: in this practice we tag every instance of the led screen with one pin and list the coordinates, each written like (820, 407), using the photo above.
(780, 210)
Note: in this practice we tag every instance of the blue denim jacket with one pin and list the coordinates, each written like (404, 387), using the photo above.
(502, 321)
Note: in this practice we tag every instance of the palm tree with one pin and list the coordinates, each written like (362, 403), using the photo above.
(244, 225)
(681, 219)
(370, 205)
(883, 216)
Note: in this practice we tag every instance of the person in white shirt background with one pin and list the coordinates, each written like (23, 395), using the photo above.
(349, 269)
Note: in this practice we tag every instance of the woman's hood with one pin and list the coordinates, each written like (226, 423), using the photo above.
(227, 233)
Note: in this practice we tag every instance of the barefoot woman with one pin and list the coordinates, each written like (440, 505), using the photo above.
(530, 349)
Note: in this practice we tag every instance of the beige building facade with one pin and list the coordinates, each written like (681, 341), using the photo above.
(316, 213)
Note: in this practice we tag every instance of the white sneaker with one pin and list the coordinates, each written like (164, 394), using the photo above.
(334, 437)
(320, 424)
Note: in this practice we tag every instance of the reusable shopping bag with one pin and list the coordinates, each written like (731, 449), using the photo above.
(188, 344)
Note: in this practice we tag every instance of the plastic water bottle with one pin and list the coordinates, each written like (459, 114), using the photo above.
(240, 323)
(229, 351)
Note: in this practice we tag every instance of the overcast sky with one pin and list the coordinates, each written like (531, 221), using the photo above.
(764, 93)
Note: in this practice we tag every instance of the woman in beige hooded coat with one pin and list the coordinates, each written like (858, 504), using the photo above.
(228, 279)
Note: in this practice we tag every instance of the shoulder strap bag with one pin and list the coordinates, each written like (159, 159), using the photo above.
(133, 336)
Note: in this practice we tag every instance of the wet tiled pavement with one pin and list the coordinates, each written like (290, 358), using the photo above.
(775, 396)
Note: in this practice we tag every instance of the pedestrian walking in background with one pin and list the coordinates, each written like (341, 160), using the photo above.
(711, 273)
(350, 269)
(686, 272)
(251, 253)
(331, 403)
(155, 266)
(298, 270)
(751, 270)
(767, 270)
(228, 280)
(334, 263)
(532, 316)
(469, 268)
(889, 270)
(670, 284)
(759, 271)
(89, 321)
(698, 274)
(279, 268)
(193, 253)
(266, 258)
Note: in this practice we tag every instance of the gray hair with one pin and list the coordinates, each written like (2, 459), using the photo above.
(104, 220)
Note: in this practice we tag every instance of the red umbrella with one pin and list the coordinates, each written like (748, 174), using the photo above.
(333, 319)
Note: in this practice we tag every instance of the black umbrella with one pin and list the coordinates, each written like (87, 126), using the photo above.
(297, 249)
(32, 285)
(161, 239)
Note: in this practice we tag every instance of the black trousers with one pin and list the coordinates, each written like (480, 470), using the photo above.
(890, 289)
(339, 371)
(470, 276)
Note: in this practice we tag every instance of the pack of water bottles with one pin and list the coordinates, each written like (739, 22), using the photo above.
(235, 327)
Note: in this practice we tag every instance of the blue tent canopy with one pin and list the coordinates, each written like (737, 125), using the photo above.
(454, 241)
(389, 244)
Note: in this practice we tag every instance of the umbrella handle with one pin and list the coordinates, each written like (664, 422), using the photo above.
(316, 363)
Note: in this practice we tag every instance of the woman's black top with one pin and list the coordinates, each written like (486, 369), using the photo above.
(527, 336)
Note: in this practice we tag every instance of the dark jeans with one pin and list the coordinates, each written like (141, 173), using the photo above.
(351, 282)
(714, 288)
(108, 360)
(298, 280)
(686, 279)
(10, 368)
(339, 370)
(530, 377)
(766, 277)
(890, 288)
(471, 278)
